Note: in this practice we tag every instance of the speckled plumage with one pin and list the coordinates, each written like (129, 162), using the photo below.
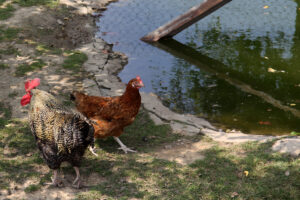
(61, 134)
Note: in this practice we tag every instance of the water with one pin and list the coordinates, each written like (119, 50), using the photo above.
(238, 67)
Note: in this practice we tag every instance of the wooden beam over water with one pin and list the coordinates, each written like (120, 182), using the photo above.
(185, 20)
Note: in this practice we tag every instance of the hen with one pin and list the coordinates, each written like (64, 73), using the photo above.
(111, 114)
(61, 135)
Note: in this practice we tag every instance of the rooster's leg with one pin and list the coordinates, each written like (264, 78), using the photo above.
(77, 182)
(123, 146)
(55, 181)
(92, 150)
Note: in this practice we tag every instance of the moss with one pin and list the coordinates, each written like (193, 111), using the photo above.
(24, 68)
(74, 61)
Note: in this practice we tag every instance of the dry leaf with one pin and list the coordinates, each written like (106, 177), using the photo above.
(246, 173)
(287, 173)
(265, 7)
(271, 70)
(234, 194)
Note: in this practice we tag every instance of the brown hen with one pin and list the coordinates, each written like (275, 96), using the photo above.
(111, 114)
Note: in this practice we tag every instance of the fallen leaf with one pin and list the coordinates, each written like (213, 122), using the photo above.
(272, 70)
(264, 123)
(292, 104)
(234, 194)
(265, 7)
(246, 173)
(287, 173)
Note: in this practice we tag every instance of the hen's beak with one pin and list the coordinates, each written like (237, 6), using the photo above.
(140, 84)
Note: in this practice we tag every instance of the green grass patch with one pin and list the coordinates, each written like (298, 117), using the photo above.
(49, 50)
(3, 66)
(27, 3)
(20, 156)
(220, 175)
(2, 1)
(9, 51)
(24, 68)
(5, 114)
(32, 188)
(13, 94)
(6, 12)
(74, 61)
(8, 34)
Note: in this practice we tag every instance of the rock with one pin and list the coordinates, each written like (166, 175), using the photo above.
(288, 145)
(60, 22)
(236, 137)
(156, 120)
(184, 129)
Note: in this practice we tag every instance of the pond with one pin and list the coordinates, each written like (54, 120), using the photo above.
(238, 67)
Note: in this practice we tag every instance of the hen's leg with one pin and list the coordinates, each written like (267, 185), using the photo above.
(123, 146)
(77, 182)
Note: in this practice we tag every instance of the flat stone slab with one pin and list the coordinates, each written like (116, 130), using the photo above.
(288, 145)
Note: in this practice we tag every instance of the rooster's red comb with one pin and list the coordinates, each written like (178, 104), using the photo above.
(31, 84)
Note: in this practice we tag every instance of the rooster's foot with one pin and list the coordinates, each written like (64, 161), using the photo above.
(55, 181)
(77, 182)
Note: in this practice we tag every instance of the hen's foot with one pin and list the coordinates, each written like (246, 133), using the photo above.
(126, 149)
(92, 150)
(123, 146)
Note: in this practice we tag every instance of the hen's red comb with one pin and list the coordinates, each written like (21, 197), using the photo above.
(138, 78)
(31, 84)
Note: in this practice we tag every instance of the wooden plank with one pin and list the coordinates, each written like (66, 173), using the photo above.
(185, 20)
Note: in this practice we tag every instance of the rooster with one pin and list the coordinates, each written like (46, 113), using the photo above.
(61, 135)
(111, 114)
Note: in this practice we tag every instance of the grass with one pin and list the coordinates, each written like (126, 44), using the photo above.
(24, 68)
(44, 49)
(74, 61)
(8, 34)
(27, 3)
(32, 188)
(6, 12)
(220, 175)
(13, 94)
(10, 51)
(5, 114)
(3, 66)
